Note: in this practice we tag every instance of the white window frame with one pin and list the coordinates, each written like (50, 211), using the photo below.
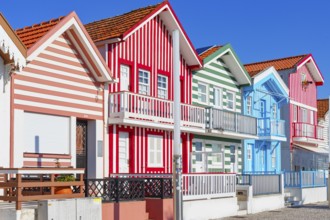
(249, 152)
(218, 99)
(304, 115)
(123, 66)
(274, 158)
(206, 93)
(295, 115)
(218, 154)
(312, 117)
(153, 151)
(233, 101)
(161, 88)
(274, 110)
(249, 105)
(144, 84)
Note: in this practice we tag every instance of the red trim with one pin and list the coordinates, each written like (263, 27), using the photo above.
(44, 164)
(154, 169)
(310, 56)
(169, 90)
(184, 153)
(111, 170)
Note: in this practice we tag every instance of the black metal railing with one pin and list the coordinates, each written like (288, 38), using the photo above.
(128, 189)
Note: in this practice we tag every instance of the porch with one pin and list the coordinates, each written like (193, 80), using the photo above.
(271, 129)
(230, 124)
(146, 111)
(307, 133)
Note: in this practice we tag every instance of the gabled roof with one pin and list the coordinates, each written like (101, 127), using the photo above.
(226, 53)
(116, 27)
(322, 108)
(121, 27)
(293, 62)
(31, 34)
(203, 52)
(11, 46)
(37, 37)
(278, 64)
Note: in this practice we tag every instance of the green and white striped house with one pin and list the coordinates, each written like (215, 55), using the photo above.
(217, 87)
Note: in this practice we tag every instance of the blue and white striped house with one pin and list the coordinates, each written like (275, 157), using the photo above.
(263, 100)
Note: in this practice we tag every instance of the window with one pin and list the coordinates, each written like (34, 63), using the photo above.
(217, 155)
(295, 116)
(162, 87)
(303, 115)
(312, 117)
(218, 97)
(230, 100)
(262, 108)
(144, 82)
(274, 158)
(199, 149)
(202, 93)
(155, 151)
(249, 105)
(124, 78)
(274, 111)
(249, 152)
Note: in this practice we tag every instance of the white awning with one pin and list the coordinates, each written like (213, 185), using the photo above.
(318, 150)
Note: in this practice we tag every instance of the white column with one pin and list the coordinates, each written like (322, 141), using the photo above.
(73, 131)
(19, 137)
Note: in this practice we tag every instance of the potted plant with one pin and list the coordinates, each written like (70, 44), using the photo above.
(64, 178)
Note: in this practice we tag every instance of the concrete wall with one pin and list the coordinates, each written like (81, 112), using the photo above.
(308, 195)
(124, 211)
(4, 118)
(209, 209)
(95, 149)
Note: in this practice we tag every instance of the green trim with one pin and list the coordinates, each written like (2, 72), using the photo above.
(235, 141)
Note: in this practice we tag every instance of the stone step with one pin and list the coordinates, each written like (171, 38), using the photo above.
(242, 212)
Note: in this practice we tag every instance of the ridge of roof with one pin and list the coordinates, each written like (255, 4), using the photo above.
(29, 35)
(279, 64)
(116, 26)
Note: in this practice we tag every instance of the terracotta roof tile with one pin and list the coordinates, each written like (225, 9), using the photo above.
(31, 34)
(116, 26)
(209, 51)
(279, 64)
(322, 108)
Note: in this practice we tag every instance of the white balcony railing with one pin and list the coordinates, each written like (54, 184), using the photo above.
(150, 109)
(207, 186)
(231, 121)
(270, 127)
(302, 129)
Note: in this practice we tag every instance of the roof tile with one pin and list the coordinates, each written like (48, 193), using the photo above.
(279, 64)
(322, 108)
(209, 51)
(31, 34)
(116, 26)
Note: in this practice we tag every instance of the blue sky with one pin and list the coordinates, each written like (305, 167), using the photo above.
(257, 29)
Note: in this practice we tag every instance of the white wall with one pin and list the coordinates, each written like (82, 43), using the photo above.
(4, 119)
(95, 149)
(309, 195)
(18, 137)
(210, 208)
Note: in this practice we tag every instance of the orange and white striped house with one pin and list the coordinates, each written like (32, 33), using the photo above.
(58, 101)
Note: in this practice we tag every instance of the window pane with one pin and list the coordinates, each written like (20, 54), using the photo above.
(199, 146)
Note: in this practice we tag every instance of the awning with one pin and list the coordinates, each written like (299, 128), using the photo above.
(318, 150)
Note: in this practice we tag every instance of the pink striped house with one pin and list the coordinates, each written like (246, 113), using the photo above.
(57, 101)
(137, 47)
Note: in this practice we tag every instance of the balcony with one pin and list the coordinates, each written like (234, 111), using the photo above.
(140, 110)
(305, 132)
(271, 129)
(231, 124)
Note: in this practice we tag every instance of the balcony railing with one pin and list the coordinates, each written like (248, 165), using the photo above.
(302, 129)
(150, 109)
(270, 127)
(304, 179)
(231, 121)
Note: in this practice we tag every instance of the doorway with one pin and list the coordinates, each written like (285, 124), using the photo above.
(81, 144)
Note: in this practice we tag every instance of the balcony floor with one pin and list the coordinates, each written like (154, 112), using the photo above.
(230, 134)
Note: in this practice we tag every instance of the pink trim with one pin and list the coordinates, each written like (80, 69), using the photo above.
(41, 155)
(305, 59)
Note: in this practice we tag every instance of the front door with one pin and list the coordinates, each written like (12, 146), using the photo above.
(262, 157)
(81, 144)
(233, 159)
(249, 158)
(123, 152)
(200, 165)
(124, 78)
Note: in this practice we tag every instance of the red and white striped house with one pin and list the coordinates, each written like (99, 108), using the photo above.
(138, 49)
(57, 104)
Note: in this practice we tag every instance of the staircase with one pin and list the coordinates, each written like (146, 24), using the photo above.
(291, 201)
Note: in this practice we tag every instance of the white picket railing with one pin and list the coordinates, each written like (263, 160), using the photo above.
(147, 108)
(303, 179)
(270, 127)
(207, 186)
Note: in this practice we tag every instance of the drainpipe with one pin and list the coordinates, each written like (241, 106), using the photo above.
(177, 157)
(329, 154)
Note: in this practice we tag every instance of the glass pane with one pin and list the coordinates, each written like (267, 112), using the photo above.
(199, 146)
